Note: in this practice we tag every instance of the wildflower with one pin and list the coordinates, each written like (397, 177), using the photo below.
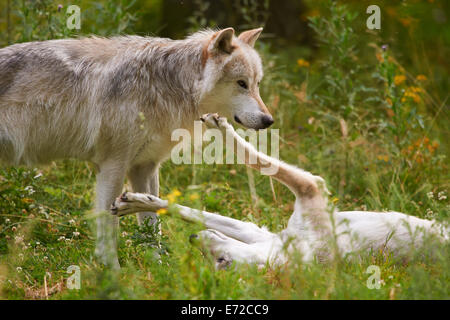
(421, 77)
(62, 238)
(399, 79)
(430, 195)
(38, 175)
(173, 195)
(19, 269)
(442, 196)
(194, 196)
(18, 239)
(411, 92)
(7, 220)
(60, 6)
(124, 234)
(128, 243)
(71, 221)
(429, 213)
(14, 229)
(76, 233)
(384, 47)
(389, 101)
(335, 200)
(302, 63)
(161, 211)
(379, 57)
(406, 22)
(29, 189)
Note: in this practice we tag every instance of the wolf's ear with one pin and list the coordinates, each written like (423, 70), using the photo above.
(250, 36)
(221, 40)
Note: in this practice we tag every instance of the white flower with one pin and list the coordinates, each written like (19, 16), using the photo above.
(124, 234)
(62, 238)
(128, 243)
(76, 234)
(29, 189)
(72, 221)
(19, 269)
(442, 196)
(18, 239)
(429, 213)
(430, 195)
(38, 175)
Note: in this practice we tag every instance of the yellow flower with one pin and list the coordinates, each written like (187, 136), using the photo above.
(411, 92)
(385, 158)
(379, 57)
(335, 200)
(421, 77)
(161, 211)
(172, 197)
(389, 101)
(194, 196)
(302, 63)
(406, 22)
(399, 79)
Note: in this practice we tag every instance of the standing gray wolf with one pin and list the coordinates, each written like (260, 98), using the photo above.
(309, 229)
(116, 101)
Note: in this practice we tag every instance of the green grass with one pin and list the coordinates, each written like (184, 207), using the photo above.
(376, 151)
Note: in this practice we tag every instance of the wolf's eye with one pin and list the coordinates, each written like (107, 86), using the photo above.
(242, 83)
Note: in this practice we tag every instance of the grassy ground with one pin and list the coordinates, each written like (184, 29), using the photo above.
(378, 137)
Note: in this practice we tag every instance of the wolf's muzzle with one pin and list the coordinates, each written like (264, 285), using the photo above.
(267, 121)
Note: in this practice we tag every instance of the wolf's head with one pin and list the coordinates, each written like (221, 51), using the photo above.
(231, 77)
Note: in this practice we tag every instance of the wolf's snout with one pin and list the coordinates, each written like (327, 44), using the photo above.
(267, 120)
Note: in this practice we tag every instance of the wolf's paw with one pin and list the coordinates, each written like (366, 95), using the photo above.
(130, 202)
(213, 120)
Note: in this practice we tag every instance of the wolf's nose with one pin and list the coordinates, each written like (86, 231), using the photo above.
(267, 120)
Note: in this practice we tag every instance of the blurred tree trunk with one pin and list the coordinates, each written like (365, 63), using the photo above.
(283, 19)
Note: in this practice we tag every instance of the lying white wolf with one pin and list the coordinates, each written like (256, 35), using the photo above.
(116, 101)
(309, 228)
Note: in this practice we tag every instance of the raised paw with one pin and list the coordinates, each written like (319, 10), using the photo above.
(213, 120)
(130, 202)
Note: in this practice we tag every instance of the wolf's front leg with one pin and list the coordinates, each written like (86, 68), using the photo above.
(145, 179)
(109, 184)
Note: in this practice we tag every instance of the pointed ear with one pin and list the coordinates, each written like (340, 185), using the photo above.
(250, 36)
(221, 40)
